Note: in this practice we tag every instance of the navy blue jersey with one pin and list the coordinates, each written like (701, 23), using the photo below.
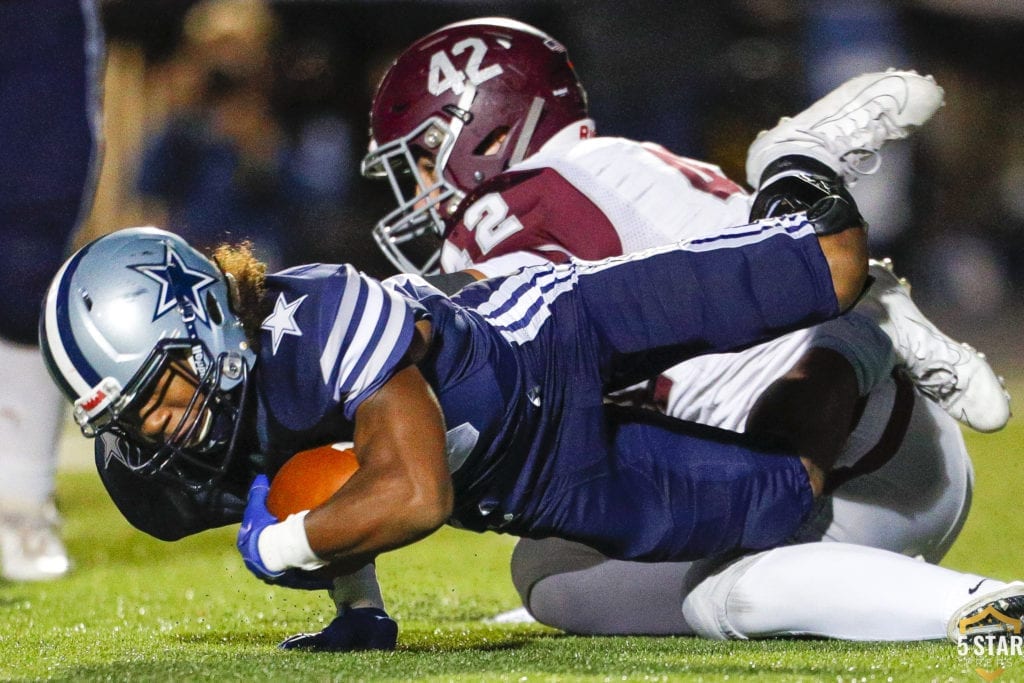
(520, 365)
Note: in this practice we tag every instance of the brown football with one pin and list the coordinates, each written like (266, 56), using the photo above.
(310, 477)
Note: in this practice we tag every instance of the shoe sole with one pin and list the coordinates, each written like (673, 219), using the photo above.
(1012, 589)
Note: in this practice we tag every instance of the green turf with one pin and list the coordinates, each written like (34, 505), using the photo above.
(138, 609)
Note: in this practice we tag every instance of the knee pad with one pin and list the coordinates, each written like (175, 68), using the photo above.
(574, 588)
(534, 560)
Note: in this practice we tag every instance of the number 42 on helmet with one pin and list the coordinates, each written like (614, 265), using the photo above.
(310, 477)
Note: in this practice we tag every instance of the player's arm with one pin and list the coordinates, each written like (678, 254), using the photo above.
(361, 624)
(832, 210)
(402, 490)
(811, 410)
(847, 256)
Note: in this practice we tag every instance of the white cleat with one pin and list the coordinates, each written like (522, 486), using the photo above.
(994, 614)
(954, 375)
(30, 544)
(845, 129)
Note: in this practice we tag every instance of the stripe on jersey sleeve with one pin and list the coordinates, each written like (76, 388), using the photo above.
(371, 332)
(522, 303)
(794, 225)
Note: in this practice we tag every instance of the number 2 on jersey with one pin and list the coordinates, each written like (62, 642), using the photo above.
(488, 220)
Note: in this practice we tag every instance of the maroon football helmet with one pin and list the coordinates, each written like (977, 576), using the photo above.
(475, 97)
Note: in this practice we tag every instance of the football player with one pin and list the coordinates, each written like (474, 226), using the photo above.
(51, 53)
(482, 130)
(485, 409)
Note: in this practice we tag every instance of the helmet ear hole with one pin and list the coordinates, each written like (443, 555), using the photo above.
(213, 308)
(491, 144)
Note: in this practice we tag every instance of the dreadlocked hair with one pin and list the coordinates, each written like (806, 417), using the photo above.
(249, 287)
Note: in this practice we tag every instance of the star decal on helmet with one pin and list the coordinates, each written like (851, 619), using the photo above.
(282, 320)
(179, 285)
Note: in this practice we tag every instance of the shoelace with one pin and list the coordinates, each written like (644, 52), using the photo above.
(939, 382)
(862, 156)
(868, 127)
(855, 160)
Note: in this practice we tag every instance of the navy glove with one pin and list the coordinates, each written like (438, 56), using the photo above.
(362, 628)
(255, 519)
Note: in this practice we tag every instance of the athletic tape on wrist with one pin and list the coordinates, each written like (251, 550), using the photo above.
(285, 545)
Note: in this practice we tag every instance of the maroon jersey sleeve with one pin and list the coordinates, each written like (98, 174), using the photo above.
(534, 211)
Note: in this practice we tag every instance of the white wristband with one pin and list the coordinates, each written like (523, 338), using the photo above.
(284, 545)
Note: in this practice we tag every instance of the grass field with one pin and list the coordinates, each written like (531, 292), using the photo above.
(138, 609)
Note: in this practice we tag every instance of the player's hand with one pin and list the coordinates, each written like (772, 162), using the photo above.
(362, 628)
(255, 519)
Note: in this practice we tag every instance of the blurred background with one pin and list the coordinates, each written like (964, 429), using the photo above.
(230, 119)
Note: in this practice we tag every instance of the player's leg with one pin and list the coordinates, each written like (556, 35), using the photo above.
(834, 590)
(572, 587)
(915, 503)
(830, 590)
(836, 139)
(954, 375)
(827, 146)
(31, 418)
(833, 141)
(665, 490)
(575, 588)
(50, 54)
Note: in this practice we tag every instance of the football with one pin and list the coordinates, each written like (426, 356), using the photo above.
(310, 477)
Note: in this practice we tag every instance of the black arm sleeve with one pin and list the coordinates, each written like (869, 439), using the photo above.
(450, 283)
(161, 509)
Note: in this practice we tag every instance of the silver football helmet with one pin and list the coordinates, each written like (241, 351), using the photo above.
(117, 314)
